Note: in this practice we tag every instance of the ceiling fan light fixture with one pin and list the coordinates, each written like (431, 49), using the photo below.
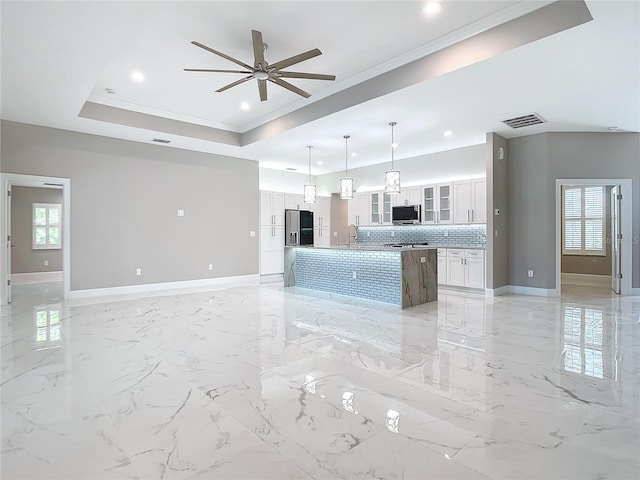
(259, 75)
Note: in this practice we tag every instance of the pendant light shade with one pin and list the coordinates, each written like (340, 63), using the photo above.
(346, 183)
(392, 177)
(310, 189)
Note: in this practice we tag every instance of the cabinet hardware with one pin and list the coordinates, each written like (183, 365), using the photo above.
(468, 216)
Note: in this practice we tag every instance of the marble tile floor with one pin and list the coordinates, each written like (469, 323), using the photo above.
(266, 383)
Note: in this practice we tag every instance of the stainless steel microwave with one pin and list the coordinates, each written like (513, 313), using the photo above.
(406, 215)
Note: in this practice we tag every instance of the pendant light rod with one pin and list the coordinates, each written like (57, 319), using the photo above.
(393, 143)
(346, 153)
(309, 147)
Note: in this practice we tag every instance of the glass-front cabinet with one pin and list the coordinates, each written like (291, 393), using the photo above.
(380, 208)
(437, 203)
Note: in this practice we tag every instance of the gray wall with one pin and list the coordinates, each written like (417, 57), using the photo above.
(24, 259)
(535, 162)
(593, 264)
(124, 201)
(497, 198)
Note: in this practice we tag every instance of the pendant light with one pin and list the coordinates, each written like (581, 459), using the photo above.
(310, 189)
(392, 177)
(346, 183)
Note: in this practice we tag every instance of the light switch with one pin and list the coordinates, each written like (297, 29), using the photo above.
(138, 271)
(180, 213)
(335, 234)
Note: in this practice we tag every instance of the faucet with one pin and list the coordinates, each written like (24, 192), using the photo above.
(352, 232)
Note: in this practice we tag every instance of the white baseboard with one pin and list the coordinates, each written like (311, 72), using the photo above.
(272, 278)
(187, 286)
(495, 292)
(35, 277)
(520, 290)
(635, 291)
(586, 280)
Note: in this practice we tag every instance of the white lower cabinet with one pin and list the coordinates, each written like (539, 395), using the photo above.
(442, 266)
(271, 250)
(321, 237)
(465, 268)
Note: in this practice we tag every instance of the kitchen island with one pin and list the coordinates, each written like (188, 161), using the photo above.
(406, 276)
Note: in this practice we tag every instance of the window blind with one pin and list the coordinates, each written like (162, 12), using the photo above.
(583, 214)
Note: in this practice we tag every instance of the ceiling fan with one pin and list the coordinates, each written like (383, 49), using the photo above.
(262, 71)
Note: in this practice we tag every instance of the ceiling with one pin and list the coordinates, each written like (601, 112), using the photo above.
(58, 57)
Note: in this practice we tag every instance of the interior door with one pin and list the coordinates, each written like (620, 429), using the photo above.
(616, 240)
(9, 242)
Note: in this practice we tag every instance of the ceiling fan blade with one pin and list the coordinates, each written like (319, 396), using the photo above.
(233, 84)
(231, 59)
(258, 49)
(313, 76)
(288, 86)
(262, 88)
(295, 59)
(216, 71)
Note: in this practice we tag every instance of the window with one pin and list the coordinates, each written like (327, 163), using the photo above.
(46, 225)
(583, 221)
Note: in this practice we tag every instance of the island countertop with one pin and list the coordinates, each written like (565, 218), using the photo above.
(386, 249)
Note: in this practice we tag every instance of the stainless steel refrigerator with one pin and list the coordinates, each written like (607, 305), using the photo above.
(298, 226)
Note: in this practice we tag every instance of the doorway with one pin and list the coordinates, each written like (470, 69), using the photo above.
(610, 269)
(8, 181)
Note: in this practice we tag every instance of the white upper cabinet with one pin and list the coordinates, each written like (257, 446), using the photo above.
(271, 208)
(470, 201)
(408, 196)
(380, 208)
(359, 209)
(294, 201)
(437, 203)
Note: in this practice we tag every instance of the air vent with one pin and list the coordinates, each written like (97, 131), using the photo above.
(291, 169)
(524, 121)
(161, 140)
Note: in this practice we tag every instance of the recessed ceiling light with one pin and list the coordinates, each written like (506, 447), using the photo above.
(291, 169)
(320, 162)
(431, 8)
(613, 129)
(394, 144)
(354, 154)
(137, 76)
(245, 106)
(110, 90)
(448, 133)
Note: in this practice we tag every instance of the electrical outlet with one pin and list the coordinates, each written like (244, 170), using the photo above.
(423, 259)
(529, 273)
(393, 234)
(446, 233)
(138, 271)
(335, 234)
(211, 266)
(46, 263)
(355, 276)
(368, 234)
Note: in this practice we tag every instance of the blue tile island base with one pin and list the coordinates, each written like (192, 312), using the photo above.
(402, 276)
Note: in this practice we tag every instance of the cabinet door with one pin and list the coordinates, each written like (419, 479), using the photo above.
(414, 195)
(462, 203)
(444, 203)
(479, 200)
(277, 250)
(322, 212)
(386, 208)
(266, 212)
(474, 275)
(455, 271)
(277, 207)
(442, 267)
(293, 201)
(375, 217)
(429, 204)
(321, 237)
(400, 199)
